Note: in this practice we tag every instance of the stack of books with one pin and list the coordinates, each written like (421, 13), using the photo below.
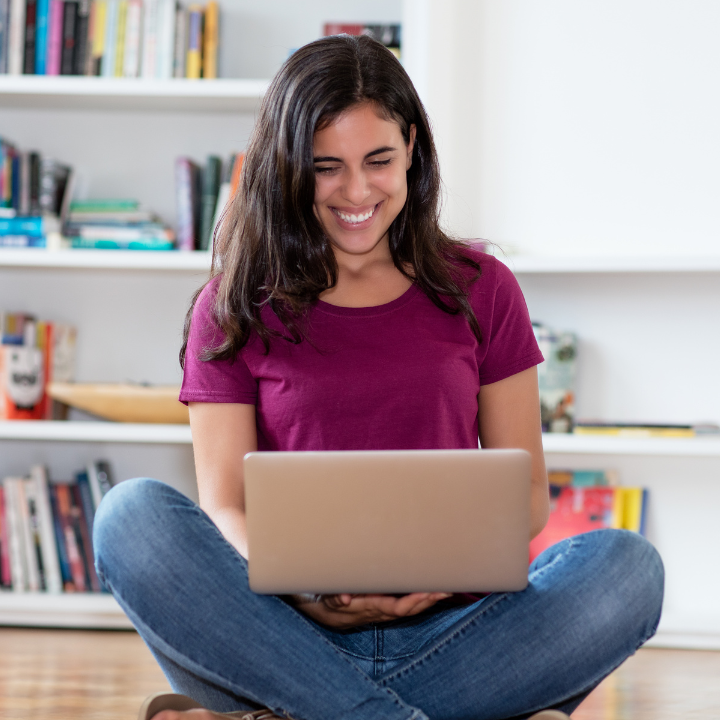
(645, 430)
(34, 191)
(389, 34)
(33, 353)
(111, 38)
(585, 500)
(46, 530)
(202, 195)
(116, 225)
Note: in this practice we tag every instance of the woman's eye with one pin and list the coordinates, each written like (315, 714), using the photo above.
(325, 170)
(380, 163)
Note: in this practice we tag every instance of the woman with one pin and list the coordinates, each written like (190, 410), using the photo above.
(340, 316)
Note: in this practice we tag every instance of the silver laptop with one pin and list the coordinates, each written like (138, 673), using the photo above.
(388, 521)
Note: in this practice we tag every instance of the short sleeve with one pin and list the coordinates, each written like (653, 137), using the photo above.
(508, 338)
(220, 381)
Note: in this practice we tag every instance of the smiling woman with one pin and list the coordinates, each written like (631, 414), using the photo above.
(339, 316)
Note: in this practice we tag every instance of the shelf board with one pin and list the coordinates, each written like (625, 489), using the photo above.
(602, 445)
(172, 260)
(71, 610)
(61, 431)
(536, 264)
(79, 92)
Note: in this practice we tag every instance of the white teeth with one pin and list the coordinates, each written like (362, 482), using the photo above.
(355, 219)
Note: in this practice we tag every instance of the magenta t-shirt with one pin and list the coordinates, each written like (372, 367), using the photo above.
(400, 376)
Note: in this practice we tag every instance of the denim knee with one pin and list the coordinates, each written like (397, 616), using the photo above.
(127, 507)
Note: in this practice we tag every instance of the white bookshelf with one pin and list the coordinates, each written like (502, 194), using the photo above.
(706, 447)
(99, 93)
(583, 264)
(104, 259)
(95, 432)
(71, 610)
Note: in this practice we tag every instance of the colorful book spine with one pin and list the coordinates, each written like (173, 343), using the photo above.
(5, 576)
(32, 226)
(186, 173)
(63, 559)
(74, 551)
(98, 37)
(41, 36)
(18, 562)
(84, 536)
(55, 35)
(210, 41)
(28, 536)
(210, 189)
(120, 38)
(193, 62)
(166, 39)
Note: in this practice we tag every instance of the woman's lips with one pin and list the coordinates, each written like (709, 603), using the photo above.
(355, 218)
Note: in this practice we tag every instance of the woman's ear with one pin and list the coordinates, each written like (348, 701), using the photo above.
(411, 146)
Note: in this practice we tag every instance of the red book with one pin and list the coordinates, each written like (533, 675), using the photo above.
(576, 510)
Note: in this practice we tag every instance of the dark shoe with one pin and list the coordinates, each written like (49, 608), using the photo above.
(172, 701)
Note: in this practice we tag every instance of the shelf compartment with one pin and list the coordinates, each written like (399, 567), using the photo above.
(96, 93)
(70, 610)
(172, 260)
(70, 431)
(591, 445)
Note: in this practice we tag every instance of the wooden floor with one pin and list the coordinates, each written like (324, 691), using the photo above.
(81, 675)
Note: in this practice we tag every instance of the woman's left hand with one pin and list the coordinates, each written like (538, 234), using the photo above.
(346, 611)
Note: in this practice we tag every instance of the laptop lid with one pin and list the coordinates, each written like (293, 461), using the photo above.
(388, 521)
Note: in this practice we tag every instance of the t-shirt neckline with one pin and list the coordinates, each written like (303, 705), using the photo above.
(371, 311)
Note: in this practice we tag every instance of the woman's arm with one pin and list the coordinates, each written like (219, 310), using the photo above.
(509, 417)
(222, 434)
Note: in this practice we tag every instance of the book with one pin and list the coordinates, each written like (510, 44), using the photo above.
(63, 558)
(187, 175)
(34, 183)
(193, 62)
(5, 576)
(210, 41)
(582, 478)
(100, 480)
(98, 18)
(36, 576)
(120, 39)
(83, 533)
(210, 189)
(4, 34)
(181, 42)
(55, 36)
(32, 226)
(18, 562)
(67, 56)
(16, 38)
(110, 38)
(41, 36)
(30, 32)
(82, 27)
(28, 535)
(75, 554)
(48, 542)
(148, 66)
(131, 55)
(165, 44)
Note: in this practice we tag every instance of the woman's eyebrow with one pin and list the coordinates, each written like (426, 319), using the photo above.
(330, 158)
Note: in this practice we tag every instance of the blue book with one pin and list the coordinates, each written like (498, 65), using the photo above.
(29, 226)
(60, 539)
(111, 23)
(41, 35)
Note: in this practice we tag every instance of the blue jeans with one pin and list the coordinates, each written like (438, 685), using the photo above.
(591, 602)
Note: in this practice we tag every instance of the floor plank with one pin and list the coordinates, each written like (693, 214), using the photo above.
(88, 675)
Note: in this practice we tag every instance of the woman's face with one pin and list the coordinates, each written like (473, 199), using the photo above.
(361, 163)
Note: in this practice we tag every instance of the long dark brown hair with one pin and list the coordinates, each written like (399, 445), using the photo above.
(271, 248)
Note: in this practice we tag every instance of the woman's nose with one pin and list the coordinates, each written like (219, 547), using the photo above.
(357, 188)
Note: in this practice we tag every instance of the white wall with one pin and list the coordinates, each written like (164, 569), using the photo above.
(577, 127)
